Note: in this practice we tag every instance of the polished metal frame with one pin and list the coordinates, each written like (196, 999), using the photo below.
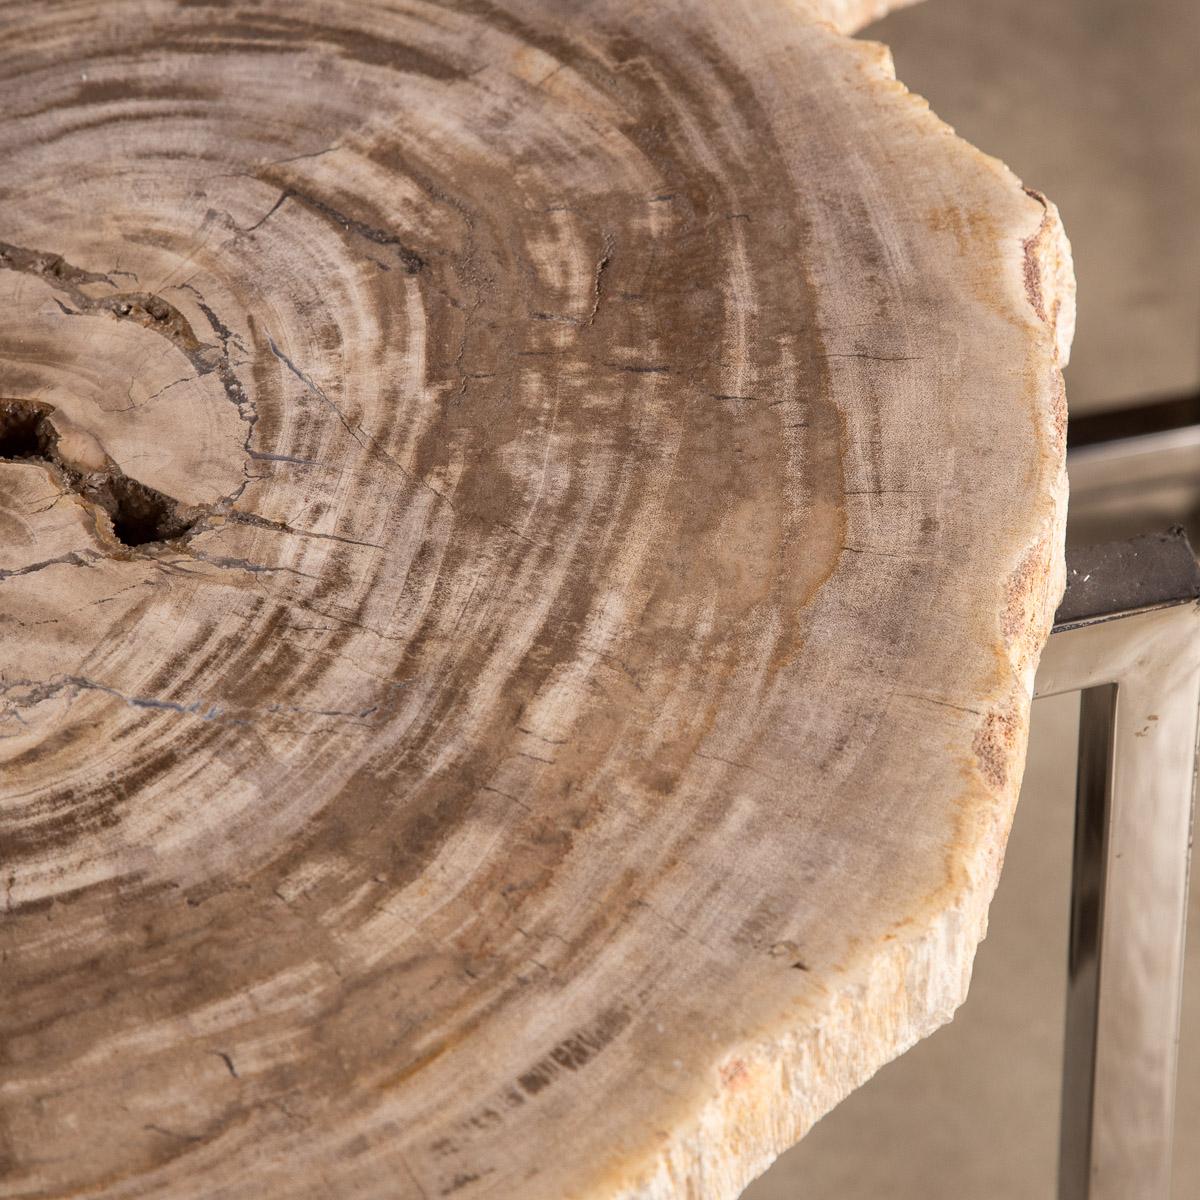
(1128, 638)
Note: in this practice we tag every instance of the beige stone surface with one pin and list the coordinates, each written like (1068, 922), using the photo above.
(538, 524)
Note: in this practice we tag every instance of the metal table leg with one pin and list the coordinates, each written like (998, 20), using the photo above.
(1128, 637)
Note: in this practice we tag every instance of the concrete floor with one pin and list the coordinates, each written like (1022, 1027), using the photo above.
(1096, 103)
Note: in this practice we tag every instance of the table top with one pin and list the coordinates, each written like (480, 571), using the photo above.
(529, 529)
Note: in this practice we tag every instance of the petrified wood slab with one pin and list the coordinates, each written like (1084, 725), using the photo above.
(527, 532)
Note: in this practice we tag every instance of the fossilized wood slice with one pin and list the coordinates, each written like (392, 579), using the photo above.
(527, 529)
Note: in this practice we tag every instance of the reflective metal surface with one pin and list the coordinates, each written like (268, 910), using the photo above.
(1144, 481)
(1093, 798)
(1139, 672)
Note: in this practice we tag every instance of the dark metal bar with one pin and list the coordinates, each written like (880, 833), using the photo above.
(1157, 415)
(1114, 579)
(1093, 796)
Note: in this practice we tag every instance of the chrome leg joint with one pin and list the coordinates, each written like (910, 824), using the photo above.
(1127, 636)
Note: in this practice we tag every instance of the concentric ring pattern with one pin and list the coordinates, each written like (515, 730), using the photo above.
(524, 530)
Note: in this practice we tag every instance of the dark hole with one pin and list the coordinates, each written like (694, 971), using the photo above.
(23, 432)
(139, 514)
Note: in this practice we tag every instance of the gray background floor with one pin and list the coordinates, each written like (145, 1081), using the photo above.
(1096, 103)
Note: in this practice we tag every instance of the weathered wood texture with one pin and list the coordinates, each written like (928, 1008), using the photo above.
(526, 535)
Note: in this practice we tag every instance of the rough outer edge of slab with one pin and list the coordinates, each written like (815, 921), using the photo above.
(902, 990)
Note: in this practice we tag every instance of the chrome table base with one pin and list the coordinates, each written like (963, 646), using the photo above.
(1127, 636)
